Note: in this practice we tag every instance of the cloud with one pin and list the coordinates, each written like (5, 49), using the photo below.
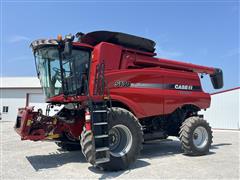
(18, 38)
(171, 54)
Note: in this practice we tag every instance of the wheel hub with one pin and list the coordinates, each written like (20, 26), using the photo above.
(120, 140)
(200, 137)
(114, 137)
(195, 136)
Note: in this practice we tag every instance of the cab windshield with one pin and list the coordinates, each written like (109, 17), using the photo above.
(69, 78)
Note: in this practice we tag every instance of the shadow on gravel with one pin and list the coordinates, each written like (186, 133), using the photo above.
(151, 150)
(156, 149)
(216, 146)
(107, 175)
(55, 159)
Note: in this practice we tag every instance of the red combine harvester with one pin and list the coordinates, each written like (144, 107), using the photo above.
(116, 95)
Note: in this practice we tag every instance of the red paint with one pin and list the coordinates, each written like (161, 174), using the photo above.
(61, 99)
(28, 132)
(36, 135)
(24, 114)
(166, 63)
(88, 120)
(74, 129)
(88, 126)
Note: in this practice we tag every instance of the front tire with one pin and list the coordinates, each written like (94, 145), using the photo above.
(195, 136)
(126, 138)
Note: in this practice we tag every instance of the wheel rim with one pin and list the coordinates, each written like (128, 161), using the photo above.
(120, 140)
(200, 137)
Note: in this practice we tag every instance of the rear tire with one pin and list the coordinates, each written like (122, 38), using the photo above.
(195, 136)
(128, 126)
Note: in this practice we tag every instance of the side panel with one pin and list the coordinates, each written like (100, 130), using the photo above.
(130, 87)
(151, 91)
(178, 96)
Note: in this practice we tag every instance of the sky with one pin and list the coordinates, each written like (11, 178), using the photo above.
(199, 32)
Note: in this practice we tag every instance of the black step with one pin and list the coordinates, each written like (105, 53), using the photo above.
(100, 111)
(102, 149)
(101, 136)
(100, 123)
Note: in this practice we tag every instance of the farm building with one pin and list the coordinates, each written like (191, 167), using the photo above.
(224, 111)
(19, 92)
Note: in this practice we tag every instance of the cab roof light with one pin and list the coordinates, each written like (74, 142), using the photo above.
(59, 37)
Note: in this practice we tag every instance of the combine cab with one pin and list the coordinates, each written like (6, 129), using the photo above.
(116, 95)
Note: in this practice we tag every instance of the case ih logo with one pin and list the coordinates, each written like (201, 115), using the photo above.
(183, 87)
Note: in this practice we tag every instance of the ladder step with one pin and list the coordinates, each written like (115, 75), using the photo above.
(102, 149)
(98, 111)
(100, 123)
(102, 160)
(101, 136)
